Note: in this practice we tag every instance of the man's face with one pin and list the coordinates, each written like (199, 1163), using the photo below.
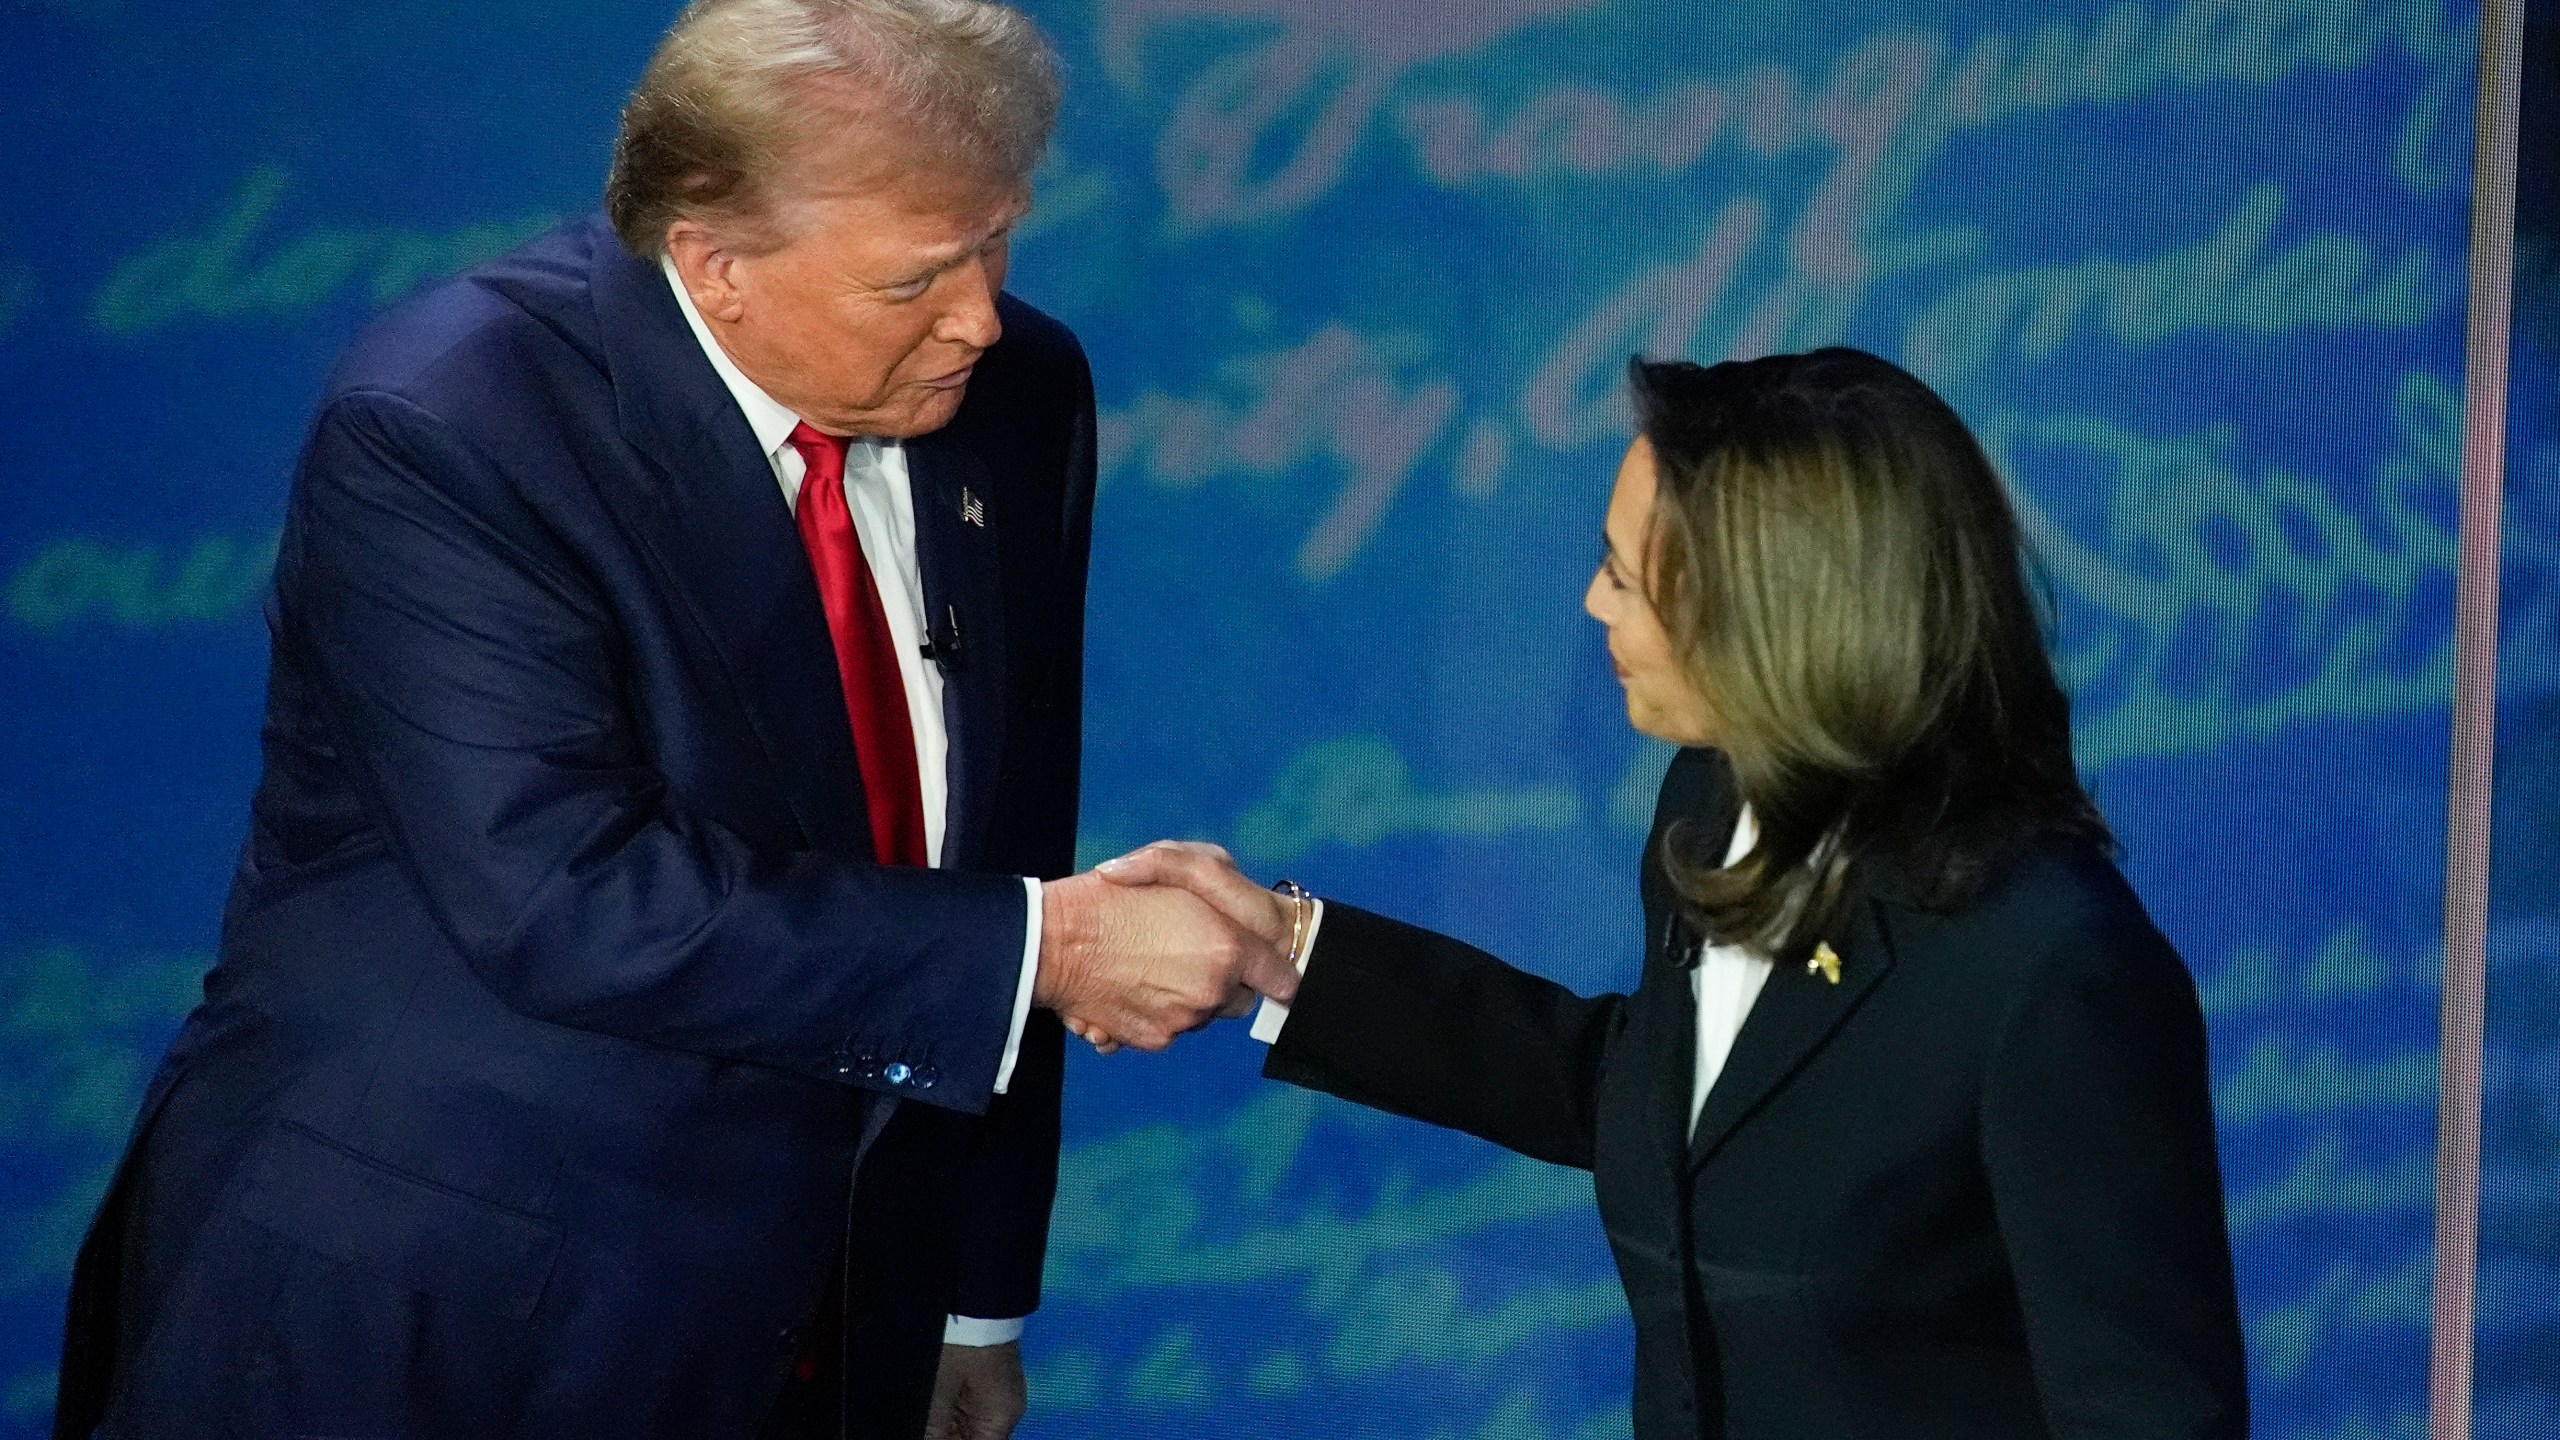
(868, 318)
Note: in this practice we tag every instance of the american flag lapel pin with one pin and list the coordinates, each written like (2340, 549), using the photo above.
(972, 509)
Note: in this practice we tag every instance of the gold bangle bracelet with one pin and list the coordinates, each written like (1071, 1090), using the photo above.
(1301, 909)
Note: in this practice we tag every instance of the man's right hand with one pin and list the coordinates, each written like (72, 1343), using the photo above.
(1143, 965)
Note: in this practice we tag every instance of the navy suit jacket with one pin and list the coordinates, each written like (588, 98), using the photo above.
(559, 993)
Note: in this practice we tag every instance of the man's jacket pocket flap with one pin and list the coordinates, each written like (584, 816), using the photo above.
(317, 1193)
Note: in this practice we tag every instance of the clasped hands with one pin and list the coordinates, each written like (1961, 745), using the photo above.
(1160, 942)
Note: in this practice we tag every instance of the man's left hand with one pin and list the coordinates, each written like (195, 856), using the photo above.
(978, 1394)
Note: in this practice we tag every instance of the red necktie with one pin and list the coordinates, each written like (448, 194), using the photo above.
(884, 739)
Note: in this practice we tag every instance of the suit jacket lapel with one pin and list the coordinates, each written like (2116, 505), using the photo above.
(957, 509)
(717, 525)
(1797, 1012)
(1671, 948)
(1674, 942)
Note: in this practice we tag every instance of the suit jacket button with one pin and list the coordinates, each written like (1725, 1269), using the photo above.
(925, 1076)
(898, 1072)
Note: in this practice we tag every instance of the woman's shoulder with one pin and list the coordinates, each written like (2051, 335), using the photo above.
(2049, 906)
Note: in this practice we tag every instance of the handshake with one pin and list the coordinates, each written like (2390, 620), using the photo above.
(1160, 942)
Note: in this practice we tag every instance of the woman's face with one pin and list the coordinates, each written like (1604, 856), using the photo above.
(1661, 701)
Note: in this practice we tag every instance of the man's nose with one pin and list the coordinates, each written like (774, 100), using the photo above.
(971, 319)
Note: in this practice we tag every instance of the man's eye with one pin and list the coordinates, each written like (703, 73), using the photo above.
(909, 290)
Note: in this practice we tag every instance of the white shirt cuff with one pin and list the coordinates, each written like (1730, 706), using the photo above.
(1268, 1020)
(1021, 1017)
(963, 1330)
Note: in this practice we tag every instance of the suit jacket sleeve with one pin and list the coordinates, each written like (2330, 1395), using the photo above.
(1405, 1020)
(1011, 1176)
(2098, 1141)
(469, 663)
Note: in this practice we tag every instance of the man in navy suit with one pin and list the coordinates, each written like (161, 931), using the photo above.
(637, 1011)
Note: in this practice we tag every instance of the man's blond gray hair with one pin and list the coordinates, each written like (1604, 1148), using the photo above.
(741, 92)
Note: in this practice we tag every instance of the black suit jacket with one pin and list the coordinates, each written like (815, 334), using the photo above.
(559, 993)
(1966, 1192)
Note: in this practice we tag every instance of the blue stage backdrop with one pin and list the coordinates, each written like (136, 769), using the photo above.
(1358, 280)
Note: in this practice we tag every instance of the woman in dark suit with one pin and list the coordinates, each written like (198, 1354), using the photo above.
(1904, 1132)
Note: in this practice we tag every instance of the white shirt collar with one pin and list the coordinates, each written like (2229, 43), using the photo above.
(770, 419)
(1746, 833)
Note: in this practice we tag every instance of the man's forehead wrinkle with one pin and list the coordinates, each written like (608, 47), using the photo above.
(986, 232)
(972, 239)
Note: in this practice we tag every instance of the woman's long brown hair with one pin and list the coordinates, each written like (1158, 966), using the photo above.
(1842, 577)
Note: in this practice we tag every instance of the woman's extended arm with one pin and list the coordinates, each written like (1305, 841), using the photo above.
(1404, 1019)
(1407, 1020)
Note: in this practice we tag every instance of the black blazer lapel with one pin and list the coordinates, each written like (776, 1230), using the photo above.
(1798, 1010)
(1699, 807)
(1675, 1068)
(717, 526)
(957, 511)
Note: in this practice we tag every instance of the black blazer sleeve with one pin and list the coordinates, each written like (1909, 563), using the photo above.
(1403, 1019)
(2097, 1134)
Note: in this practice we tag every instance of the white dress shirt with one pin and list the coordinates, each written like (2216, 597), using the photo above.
(877, 491)
(1725, 982)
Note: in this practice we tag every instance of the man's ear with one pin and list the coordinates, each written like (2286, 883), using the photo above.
(708, 269)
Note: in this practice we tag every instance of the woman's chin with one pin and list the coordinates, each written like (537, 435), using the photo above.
(1648, 723)
(1651, 722)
